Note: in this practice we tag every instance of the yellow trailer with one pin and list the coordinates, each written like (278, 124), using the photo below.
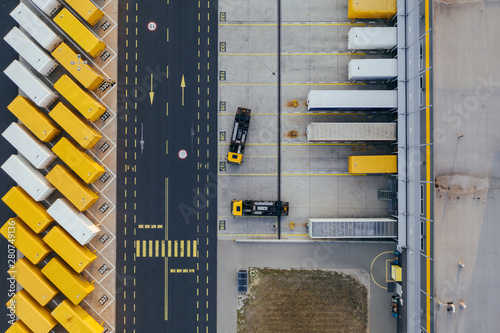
(79, 130)
(69, 282)
(75, 319)
(371, 9)
(34, 119)
(31, 212)
(87, 10)
(73, 64)
(79, 161)
(25, 240)
(72, 188)
(33, 281)
(373, 164)
(18, 327)
(35, 316)
(79, 32)
(77, 256)
(79, 98)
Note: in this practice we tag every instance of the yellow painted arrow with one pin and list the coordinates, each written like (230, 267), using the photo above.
(151, 94)
(183, 85)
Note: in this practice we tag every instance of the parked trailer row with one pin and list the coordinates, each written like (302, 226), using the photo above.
(31, 180)
(74, 222)
(36, 27)
(372, 69)
(35, 120)
(29, 146)
(75, 319)
(75, 29)
(33, 281)
(30, 51)
(49, 7)
(70, 283)
(79, 98)
(87, 10)
(349, 100)
(75, 65)
(79, 130)
(35, 316)
(25, 240)
(372, 38)
(30, 84)
(371, 9)
(351, 132)
(74, 254)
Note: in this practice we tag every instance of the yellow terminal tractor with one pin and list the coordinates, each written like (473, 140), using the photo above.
(239, 136)
(259, 208)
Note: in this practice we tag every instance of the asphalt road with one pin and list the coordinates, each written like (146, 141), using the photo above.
(166, 218)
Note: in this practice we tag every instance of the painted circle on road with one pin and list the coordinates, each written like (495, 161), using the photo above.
(182, 154)
(151, 26)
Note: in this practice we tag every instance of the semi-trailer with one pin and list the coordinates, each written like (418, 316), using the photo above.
(371, 9)
(79, 98)
(78, 129)
(87, 10)
(74, 254)
(342, 228)
(18, 327)
(35, 316)
(351, 132)
(77, 67)
(259, 208)
(34, 119)
(36, 27)
(30, 84)
(78, 161)
(75, 29)
(75, 319)
(372, 69)
(351, 100)
(369, 164)
(372, 38)
(239, 136)
(30, 179)
(49, 7)
(30, 51)
(25, 240)
(38, 154)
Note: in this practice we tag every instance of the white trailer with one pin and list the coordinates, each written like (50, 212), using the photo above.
(350, 100)
(49, 7)
(30, 51)
(379, 38)
(74, 222)
(31, 85)
(31, 180)
(353, 228)
(36, 27)
(38, 154)
(351, 132)
(372, 69)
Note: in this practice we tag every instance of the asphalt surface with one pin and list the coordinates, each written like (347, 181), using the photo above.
(7, 94)
(166, 217)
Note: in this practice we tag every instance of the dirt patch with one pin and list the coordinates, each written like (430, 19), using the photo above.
(298, 301)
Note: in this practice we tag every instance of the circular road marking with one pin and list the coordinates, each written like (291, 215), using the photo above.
(371, 268)
(182, 154)
(151, 26)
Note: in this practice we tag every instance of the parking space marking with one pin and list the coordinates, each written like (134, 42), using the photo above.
(371, 268)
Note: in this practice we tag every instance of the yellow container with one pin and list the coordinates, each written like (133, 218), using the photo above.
(33, 281)
(34, 119)
(75, 319)
(396, 273)
(77, 256)
(371, 9)
(31, 212)
(79, 98)
(79, 130)
(373, 164)
(25, 240)
(18, 327)
(87, 10)
(79, 161)
(35, 316)
(72, 188)
(80, 71)
(79, 33)
(69, 282)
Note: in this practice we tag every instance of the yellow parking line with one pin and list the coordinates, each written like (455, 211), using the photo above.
(144, 248)
(188, 247)
(195, 249)
(182, 249)
(137, 248)
(163, 248)
(169, 248)
(157, 248)
(176, 248)
(150, 248)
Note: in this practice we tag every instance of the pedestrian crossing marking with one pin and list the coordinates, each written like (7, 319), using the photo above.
(162, 248)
